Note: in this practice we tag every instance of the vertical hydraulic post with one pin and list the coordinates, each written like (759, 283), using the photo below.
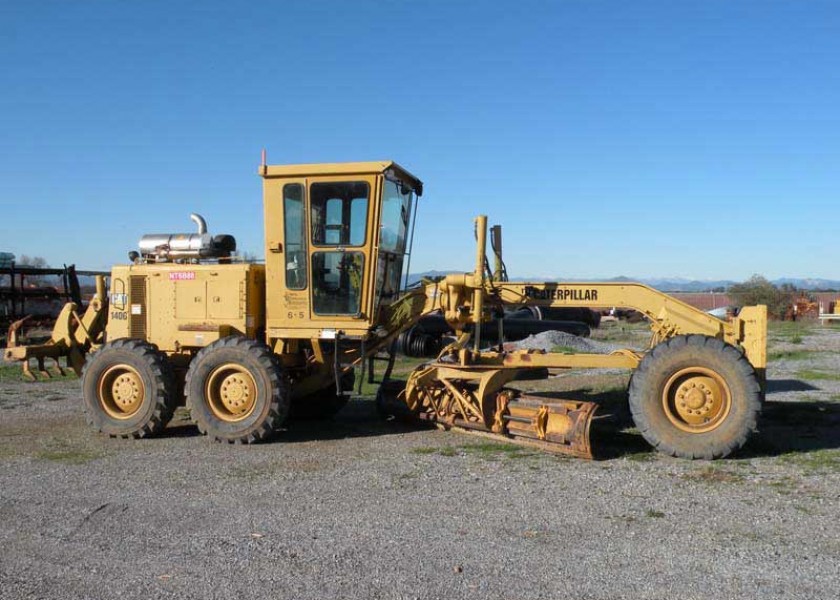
(478, 277)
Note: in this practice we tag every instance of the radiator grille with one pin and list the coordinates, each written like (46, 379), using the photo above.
(137, 322)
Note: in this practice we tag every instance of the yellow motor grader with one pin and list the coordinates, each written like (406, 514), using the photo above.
(243, 344)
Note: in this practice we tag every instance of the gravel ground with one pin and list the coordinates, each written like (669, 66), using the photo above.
(358, 509)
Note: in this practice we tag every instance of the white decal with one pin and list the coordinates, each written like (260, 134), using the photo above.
(181, 275)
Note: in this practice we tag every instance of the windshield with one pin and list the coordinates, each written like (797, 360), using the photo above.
(396, 212)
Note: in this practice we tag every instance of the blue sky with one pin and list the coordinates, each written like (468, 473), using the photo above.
(609, 138)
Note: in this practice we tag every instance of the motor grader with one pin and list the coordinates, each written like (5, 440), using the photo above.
(243, 345)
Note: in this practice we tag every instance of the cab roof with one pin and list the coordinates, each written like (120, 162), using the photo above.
(345, 168)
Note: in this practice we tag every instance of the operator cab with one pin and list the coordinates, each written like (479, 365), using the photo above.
(337, 242)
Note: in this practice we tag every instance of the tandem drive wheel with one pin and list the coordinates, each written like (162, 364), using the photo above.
(236, 391)
(695, 397)
(128, 389)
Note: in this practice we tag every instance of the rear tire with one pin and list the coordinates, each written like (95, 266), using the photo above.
(236, 391)
(128, 389)
(695, 397)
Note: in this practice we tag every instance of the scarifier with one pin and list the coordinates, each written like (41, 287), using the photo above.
(244, 345)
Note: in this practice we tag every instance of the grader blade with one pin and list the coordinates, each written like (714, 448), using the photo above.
(552, 424)
(556, 425)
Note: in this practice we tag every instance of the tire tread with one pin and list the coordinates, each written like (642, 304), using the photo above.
(639, 388)
(164, 385)
(278, 409)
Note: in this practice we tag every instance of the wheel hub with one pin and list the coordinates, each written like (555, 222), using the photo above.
(231, 392)
(696, 400)
(121, 391)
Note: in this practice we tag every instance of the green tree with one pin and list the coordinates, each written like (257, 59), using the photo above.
(758, 290)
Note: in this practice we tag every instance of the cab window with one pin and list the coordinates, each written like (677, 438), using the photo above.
(339, 213)
(337, 282)
(294, 224)
(396, 210)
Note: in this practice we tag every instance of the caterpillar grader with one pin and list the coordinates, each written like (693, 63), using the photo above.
(245, 345)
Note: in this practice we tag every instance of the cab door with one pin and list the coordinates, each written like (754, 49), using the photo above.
(341, 238)
(287, 255)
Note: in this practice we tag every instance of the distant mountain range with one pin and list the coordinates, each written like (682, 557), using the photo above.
(674, 284)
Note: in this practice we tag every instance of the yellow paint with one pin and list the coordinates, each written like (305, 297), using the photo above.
(186, 306)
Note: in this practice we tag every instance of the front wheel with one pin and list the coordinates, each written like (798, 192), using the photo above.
(695, 397)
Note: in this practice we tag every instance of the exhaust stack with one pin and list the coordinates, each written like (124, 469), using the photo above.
(163, 247)
(200, 223)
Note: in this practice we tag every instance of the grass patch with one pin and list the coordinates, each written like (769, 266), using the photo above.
(624, 518)
(14, 372)
(622, 332)
(65, 452)
(403, 366)
(10, 372)
(654, 514)
(790, 355)
(789, 331)
(9, 452)
(368, 389)
(494, 449)
(424, 451)
(488, 450)
(441, 451)
(642, 457)
(714, 475)
(785, 485)
(564, 350)
(813, 375)
(818, 461)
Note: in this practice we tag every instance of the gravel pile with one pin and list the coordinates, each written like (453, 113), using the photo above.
(548, 340)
